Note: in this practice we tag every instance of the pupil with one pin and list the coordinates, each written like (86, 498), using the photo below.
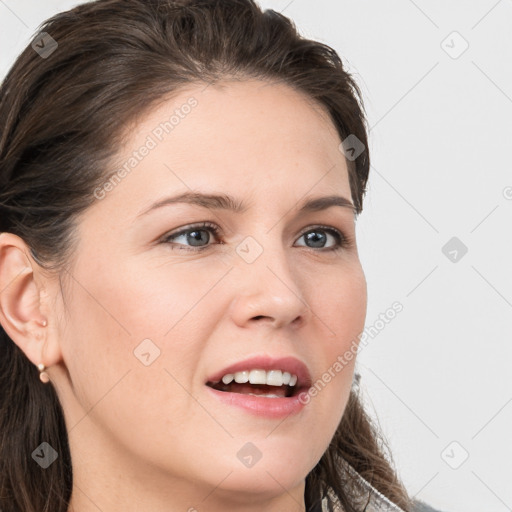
(314, 234)
(191, 237)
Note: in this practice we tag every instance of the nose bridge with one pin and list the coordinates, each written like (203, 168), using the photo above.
(268, 286)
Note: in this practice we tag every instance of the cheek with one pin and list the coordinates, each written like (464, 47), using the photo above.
(342, 309)
(126, 373)
(163, 298)
(341, 302)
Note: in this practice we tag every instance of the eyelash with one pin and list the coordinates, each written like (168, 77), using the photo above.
(342, 241)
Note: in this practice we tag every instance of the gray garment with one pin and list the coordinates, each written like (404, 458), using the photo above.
(420, 506)
(377, 501)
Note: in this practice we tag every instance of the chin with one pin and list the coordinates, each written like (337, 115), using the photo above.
(263, 481)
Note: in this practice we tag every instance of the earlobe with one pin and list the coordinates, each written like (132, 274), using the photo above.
(20, 313)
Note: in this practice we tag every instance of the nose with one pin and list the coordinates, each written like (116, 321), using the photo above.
(268, 291)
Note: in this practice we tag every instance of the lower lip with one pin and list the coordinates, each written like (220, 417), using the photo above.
(260, 405)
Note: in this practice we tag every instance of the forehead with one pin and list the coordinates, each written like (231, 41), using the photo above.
(232, 110)
(233, 136)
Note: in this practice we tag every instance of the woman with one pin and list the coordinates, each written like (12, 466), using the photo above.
(182, 295)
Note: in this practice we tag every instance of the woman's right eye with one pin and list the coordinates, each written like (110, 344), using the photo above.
(205, 227)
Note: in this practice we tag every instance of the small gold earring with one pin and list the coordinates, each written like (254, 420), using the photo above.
(43, 376)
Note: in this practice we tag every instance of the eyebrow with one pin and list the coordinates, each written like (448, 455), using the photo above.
(227, 202)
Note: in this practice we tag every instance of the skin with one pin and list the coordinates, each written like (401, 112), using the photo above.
(151, 437)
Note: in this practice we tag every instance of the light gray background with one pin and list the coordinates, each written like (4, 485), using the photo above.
(440, 144)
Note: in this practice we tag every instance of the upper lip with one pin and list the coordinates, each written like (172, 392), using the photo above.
(287, 364)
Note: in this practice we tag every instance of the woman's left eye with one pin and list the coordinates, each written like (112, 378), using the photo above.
(195, 235)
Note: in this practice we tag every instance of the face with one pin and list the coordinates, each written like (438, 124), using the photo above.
(155, 303)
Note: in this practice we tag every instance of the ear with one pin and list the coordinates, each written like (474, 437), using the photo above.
(23, 300)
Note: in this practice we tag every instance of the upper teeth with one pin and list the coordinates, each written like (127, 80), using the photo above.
(270, 378)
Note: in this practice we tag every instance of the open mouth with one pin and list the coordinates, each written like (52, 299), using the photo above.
(284, 391)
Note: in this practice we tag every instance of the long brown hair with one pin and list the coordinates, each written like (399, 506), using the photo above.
(62, 116)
